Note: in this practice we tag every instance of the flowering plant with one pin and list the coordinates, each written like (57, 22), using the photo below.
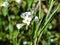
(24, 22)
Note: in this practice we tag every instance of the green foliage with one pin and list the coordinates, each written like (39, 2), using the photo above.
(5, 11)
(33, 32)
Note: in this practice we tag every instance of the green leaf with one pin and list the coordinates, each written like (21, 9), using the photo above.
(1, 1)
(29, 3)
(15, 34)
(41, 14)
(5, 11)
(35, 1)
(24, 4)
(10, 27)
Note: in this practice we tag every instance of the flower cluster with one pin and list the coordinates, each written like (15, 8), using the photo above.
(27, 17)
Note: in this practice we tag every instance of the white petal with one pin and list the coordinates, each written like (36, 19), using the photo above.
(19, 1)
(51, 40)
(28, 23)
(24, 21)
(29, 19)
(23, 15)
(18, 26)
(25, 42)
(36, 18)
(28, 13)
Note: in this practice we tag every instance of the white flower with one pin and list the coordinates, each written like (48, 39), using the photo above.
(51, 40)
(28, 13)
(36, 18)
(18, 26)
(26, 21)
(25, 42)
(27, 16)
(18, 1)
(5, 4)
(23, 15)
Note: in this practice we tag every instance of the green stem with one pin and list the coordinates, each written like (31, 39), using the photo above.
(51, 5)
(47, 21)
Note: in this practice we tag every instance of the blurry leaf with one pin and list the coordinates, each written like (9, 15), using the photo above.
(17, 17)
(0, 11)
(24, 4)
(11, 1)
(6, 28)
(5, 11)
(7, 35)
(16, 11)
(29, 3)
(54, 21)
(44, 42)
(15, 34)
(35, 1)
(50, 26)
(1, 1)
(9, 18)
(0, 38)
(41, 14)
(10, 27)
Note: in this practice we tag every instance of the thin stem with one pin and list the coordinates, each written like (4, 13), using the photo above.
(39, 7)
(35, 33)
(51, 5)
(47, 21)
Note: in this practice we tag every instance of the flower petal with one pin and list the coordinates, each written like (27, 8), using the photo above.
(36, 18)
(18, 26)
